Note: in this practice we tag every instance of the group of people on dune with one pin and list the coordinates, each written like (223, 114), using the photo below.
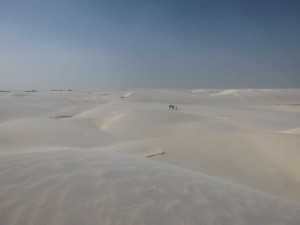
(172, 107)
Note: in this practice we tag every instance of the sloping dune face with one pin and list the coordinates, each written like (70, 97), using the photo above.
(127, 157)
(92, 187)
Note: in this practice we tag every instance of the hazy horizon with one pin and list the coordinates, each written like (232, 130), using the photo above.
(149, 44)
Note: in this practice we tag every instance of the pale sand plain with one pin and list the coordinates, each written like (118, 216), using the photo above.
(76, 157)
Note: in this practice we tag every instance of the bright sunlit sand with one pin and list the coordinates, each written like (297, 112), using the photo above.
(126, 157)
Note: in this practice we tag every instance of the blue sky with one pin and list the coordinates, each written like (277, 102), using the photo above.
(149, 44)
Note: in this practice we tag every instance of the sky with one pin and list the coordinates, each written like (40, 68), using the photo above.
(96, 44)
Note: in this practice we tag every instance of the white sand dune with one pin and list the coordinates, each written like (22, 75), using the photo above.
(289, 108)
(128, 94)
(136, 124)
(292, 131)
(224, 157)
(197, 91)
(26, 134)
(268, 162)
(92, 187)
(234, 92)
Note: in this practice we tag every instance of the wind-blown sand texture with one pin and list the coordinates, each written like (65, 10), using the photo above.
(224, 157)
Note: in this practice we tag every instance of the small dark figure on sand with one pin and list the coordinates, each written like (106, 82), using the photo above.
(172, 107)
